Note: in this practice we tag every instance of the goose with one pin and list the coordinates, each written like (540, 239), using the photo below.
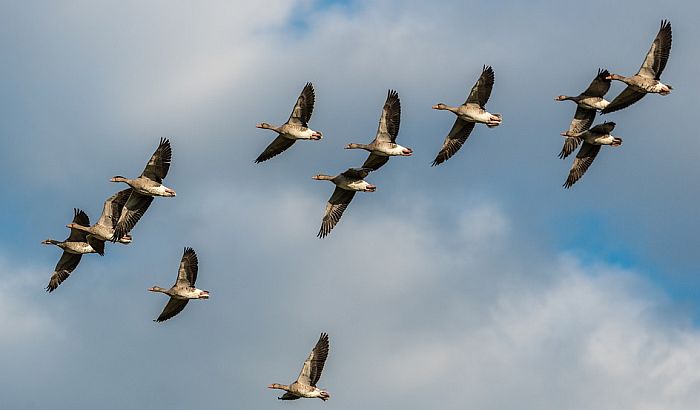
(144, 188)
(468, 114)
(305, 384)
(104, 228)
(647, 79)
(296, 127)
(586, 105)
(74, 247)
(384, 144)
(347, 184)
(183, 290)
(592, 140)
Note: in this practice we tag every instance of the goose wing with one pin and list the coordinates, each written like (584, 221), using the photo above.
(374, 161)
(605, 128)
(481, 91)
(455, 139)
(173, 307)
(657, 56)
(65, 266)
(276, 147)
(97, 244)
(313, 366)
(132, 211)
(79, 218)
(112, 209)
(301, 113)
(159, 164)
(583, 160)
(390, 120)
(187, 273)
(288, 396)
(335, 207)
(627, 97)
(356, 173)
(599, 86)
(583, 119)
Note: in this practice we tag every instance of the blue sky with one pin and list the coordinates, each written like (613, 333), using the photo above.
(478, 282)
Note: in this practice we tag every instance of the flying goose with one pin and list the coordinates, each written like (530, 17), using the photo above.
(104, 228)
(384, 144)
(296, 127)
(183, 290)
(305, 384)
(468, 114)
(144, 188)
(74, 247)
(586, 105)
(347, 184)
(647, 78)
(592, 140)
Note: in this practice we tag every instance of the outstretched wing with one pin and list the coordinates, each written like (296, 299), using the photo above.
(277, 146)
(583, 160)
(374, 161)
(189, 265)
(313, 366)
(159, 164)
(79, 218)
(173, 307)
(605, 128)
(657, 56)
(599, 86)
(133, 210)
(301, 113)
(335, 207)
(570, 145)
(627, 97)
(112, 209)
(356, 173)
(455, 139)
(481, 91)
(390, 120)
(65, 266)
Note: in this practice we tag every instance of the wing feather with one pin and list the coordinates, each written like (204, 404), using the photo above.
(582, 162)
(173, 307)
(133, 210)
(390, 120)
(627, 97)
(304, 107)
(455, 139)
(313, 366)
(335, 207)
(159, 164)
(481, 92)
(276, 147)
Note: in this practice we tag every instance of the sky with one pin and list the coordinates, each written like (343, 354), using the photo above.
(480, 283)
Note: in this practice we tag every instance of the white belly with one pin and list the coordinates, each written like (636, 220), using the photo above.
(355, 185)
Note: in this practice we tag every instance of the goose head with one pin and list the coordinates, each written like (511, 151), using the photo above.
(614, 77)
(264, 125)
(118, 178)
(49, 242)
(321, 177)
(354, 146)
(156, 289)
(440, 106)
(562, 98)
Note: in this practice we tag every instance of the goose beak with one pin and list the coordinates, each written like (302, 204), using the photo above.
(269, 386)
(436, 106)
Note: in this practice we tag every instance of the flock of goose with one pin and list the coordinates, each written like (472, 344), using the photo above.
(124, 209)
